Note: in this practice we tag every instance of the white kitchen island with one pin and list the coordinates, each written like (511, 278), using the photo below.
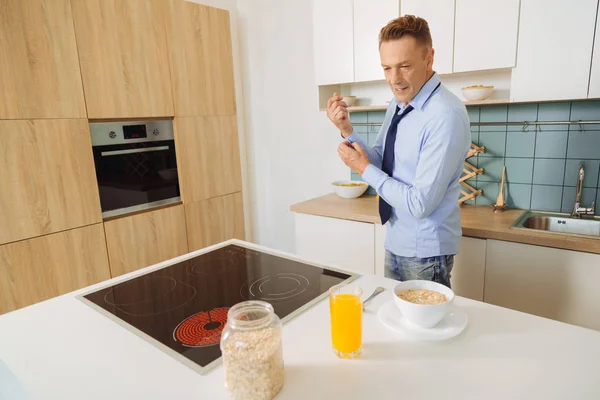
(63, 349)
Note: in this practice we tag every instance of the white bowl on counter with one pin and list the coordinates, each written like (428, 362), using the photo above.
(350, 189)
(477, 92)
(423, 315)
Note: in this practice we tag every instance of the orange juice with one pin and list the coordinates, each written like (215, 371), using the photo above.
(346, 323)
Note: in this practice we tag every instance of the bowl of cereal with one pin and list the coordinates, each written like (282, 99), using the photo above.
(350, 189)
(423, 303)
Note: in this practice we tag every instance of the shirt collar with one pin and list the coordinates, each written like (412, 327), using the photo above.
(423, 95)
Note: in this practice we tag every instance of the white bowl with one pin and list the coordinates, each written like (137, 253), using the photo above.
(423, 315)
(476, 93)
(349, 100)
(350, 192)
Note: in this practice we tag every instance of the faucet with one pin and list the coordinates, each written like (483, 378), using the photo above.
(578, 210)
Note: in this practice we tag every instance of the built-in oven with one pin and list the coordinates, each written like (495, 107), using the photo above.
(136, 165)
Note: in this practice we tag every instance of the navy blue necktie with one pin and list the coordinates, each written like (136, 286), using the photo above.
(385, 210)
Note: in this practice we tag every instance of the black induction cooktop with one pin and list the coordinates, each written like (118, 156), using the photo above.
(182, 308)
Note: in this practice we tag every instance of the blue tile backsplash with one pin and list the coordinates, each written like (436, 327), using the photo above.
(542, 162)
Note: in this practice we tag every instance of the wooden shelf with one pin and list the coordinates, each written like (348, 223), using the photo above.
(466, 103)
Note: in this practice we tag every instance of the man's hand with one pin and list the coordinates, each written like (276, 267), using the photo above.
(337, 112)
(354, 156)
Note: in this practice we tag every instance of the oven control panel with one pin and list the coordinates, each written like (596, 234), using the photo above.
(109, 133)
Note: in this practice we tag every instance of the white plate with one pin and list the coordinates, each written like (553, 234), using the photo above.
(450, 326)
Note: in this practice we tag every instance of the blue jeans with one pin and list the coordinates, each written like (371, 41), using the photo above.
(435, 269)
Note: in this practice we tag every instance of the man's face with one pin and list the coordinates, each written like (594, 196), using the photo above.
(406, 65)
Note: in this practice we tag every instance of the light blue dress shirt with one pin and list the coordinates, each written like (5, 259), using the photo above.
(431, 146)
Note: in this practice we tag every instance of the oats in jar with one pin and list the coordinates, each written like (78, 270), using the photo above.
(423, 296)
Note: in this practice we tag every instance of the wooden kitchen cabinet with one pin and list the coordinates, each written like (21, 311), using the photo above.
(369, 17)
(39, 76)
(333, 43)
(208, 157)
(124, 59)
(485, 35)
(214, 220)
(594, 88)
(48, 178)
(39, 269)
(201, 59)
(141, 240)
(548, 282)
(340, 243)
(555, 50)
(439, 14)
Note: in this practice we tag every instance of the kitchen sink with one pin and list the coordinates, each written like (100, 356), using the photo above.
(561, 223)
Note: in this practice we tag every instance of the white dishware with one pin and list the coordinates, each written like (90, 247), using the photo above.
(450, 326)
(477, 93)
(423, 315)
(350, 192)
(349, 100)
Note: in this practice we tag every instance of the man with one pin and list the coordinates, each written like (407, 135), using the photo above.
(416, 162)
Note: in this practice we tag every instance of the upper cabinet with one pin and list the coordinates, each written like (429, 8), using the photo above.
(201, 59)
(369, 18)
(39, 73)
(124, 58)
(48, 178)
(485, 34)
(208, 157)
(333, 41)
(594, 90)
(439, 15)
(555, 50)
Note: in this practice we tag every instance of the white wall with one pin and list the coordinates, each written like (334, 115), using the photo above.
(291, 146)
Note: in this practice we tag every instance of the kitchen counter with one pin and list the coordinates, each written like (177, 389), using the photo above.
(63, 349)
(477, 221)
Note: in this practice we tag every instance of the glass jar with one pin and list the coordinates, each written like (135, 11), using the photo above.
(252, 351)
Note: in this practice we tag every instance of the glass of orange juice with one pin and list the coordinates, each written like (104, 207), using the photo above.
(346, 307)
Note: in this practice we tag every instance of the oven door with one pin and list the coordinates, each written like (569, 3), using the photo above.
(136, 176)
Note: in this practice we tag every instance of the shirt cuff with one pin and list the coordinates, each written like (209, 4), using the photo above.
(374, 176)
(353, 137)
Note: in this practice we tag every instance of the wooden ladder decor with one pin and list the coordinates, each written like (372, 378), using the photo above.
(470, 171)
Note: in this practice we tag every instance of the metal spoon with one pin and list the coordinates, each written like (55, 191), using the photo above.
(375, 293)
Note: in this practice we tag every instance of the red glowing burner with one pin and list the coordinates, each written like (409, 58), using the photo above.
(202, 329)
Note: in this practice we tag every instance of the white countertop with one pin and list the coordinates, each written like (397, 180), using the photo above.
(63, 349)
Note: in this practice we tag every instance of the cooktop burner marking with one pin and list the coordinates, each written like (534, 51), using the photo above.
(202, 329)
(219, 266)
(136, 309)
(257, 291)
(148, 281)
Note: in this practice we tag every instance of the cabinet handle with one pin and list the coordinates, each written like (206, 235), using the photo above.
(132, 151)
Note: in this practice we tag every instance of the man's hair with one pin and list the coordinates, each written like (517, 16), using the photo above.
(407, 25)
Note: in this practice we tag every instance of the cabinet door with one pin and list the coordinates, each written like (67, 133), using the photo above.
(594, 89)
(439, 15)
(369, 18)
(208, 157)
(201, 60)
(39, 72)
(485, 34)
(555, 50)
(48, 178)
(145, 239)
(124, 60)
(39, 269)
(468, 272)
(552, 283)
(333, 41)
(380, 232)
(215, 220)
(343, 244)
